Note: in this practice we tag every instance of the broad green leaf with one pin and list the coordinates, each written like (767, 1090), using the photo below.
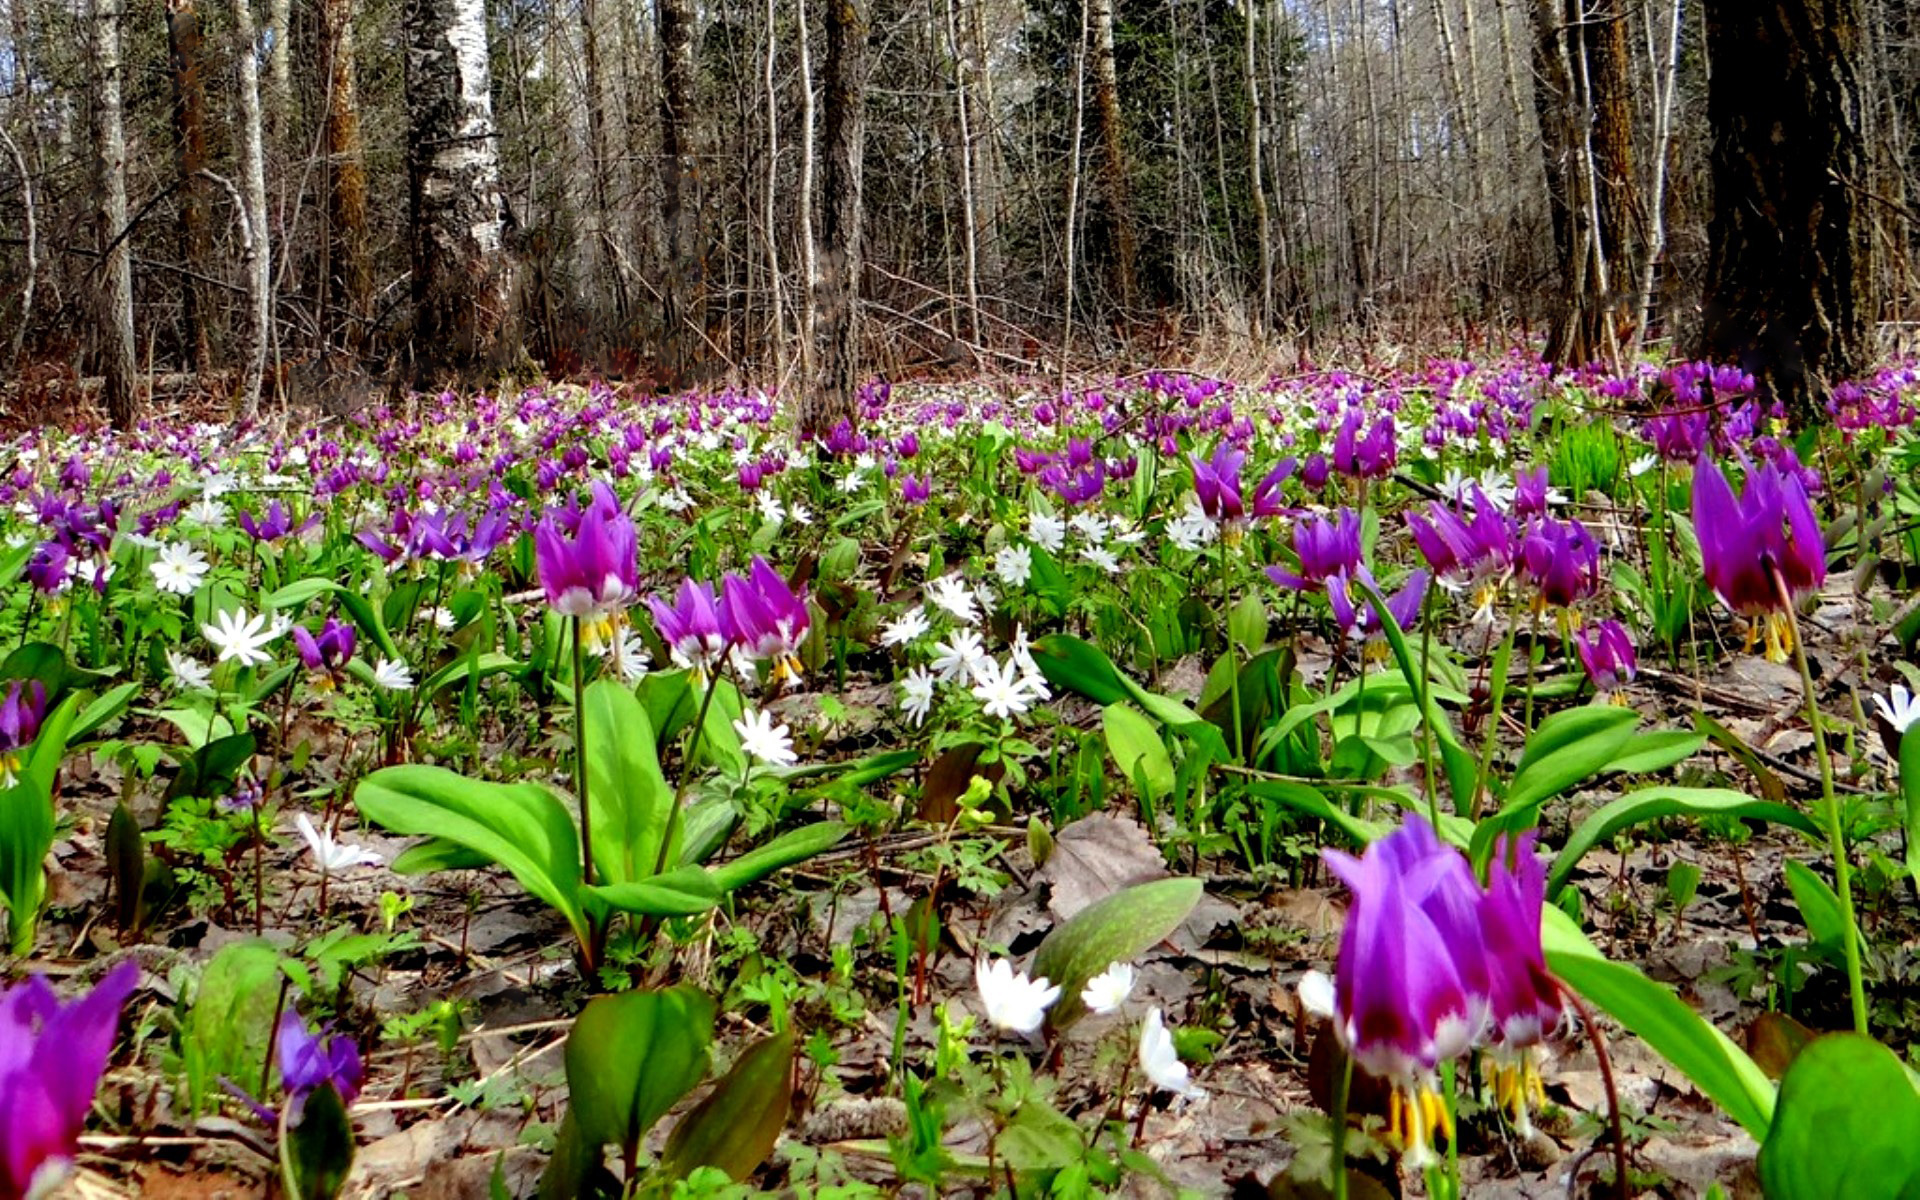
(681, 892)
(1313, 803)
(109, 705)
(1108, 931)
(213, 770)
(197, 726)
(630, 799)
(1847, 1124)
(317, 1153)
(1910, 795)
(1652, 1012)
(229, 1023)
(1655, 751)
(794, 846)
(735, 1126)
(521, 826)
(1567, 747)
(1039, 1137)
(1070, 663)
(465, 667)
(1461, 770)
(27, 825)
(1651, 804)
(1819, 905)
(631, 1056)
(1138, 753)
(1247, 623)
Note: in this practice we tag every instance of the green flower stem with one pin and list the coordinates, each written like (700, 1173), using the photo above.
(686, 771)
(580, 754)
(1342, 1085)
(1836, 834)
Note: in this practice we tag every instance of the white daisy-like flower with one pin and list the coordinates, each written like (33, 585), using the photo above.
(1048, 533)
(626, 654)
(215, 484)
(1108, 990)
(1900, 707)
(1126, 533)
(334, 855)
(93, 574)
(441, 616)
(799, 514)
(1192, 529)
(1161, 1062)
(864, 461)
(959, 657)
(951, 593)
(187, 673)
(1014, 565)
(1101, 557)
(240, 637)
(910, 625)
(916, 695)
(770, 510)
(764, 740)
(676, 501)
(1091, 526)
(179, 568)
(1013, 1001)
(1498, 486)
(1001, 689)
(850, 483)
(393, 675)
(1641, 465)
(207, 513)
(1458, 485)
(1022, 655)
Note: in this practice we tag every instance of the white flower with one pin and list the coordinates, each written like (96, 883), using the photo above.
(864, 461)
(1101, 557)
(1091, 526)
(1640, 466)
(215, 484)
(1012, 1000)
(764, 740)
(189, 673)
(950, 593)
(1014, 565)
(1191, 529)
(1900, 707)
(1001, 689)
(179, 569)
(393, 675)
(800, 514)
(959, 657)
(1316, 994)
(911, 625)
(93, 574)
(207, 512)
(1126, 533)
(851, 482)
(676, 501)
(1022, 654)
(1458, 485)
(441, 616)
(1108, 990)
(1159, 1060)
(238, 636)
(770, 510)
(1498, 486)
(1048, 533)
(916, 695)
(626, 654)
(331, 855)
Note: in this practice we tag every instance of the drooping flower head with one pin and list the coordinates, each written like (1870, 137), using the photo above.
(1523, 999)
(1367, 455)
(310, 1061)
(1606, 651)
(1326, 547)
(1355, 612)
(762, 616)
(1754, 545)
(1216, 481)
(21, 712)
(1468, 550)
(51, 1059)
(594, 574)
(1561, 559)
(691, 626)
(328, 652)
(1531, 492)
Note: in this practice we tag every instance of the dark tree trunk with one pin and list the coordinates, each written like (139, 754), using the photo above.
(184, 44)
(114, 298)
(683, 323)
(831, 399)
(1788, 293)
(462, 279)
(349, 285)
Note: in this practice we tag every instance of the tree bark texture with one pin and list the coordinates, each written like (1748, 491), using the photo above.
(1113, 225)
(349, 287)
(114, 297)
(831, 399)
(462, 281)
(251, 198)
(184, 46)
(683, 318)
(1788, 292)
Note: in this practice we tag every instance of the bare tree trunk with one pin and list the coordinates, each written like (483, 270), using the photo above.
(1663, 67)
(597, 150)
(831, 400)
(462, 279)
(279, 113)
(777, 327)
(1788, 294)
(1073, 185)
(114, 300)
(684, 319)
(809, 245)
(1120, 240)
(349, 285)
(969, 198)
(31, 236)
(190, 156)
(1263, 232)
(252, 203)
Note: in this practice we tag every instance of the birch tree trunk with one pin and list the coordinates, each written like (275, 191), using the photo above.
(809, 246)
(969, 196)
(683, 321)
(114, 299)
(462, 279)
(184, 44)
(777, 327)
(349, 285)
(1121, 241)
(252, 198)
(1263, 232)
(831, 399)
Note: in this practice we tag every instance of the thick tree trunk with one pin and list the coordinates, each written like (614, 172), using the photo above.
(184, 44)
(831, 399)
(462, 279)
(1120, 240)
(803, 203)
(251, 199)
(349, 288)
(683, 324)
(1788, 293)
(114, 300)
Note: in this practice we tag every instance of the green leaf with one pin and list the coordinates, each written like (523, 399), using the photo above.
(317, 1154)
(1462, 771)
(735, 1126)
(629, 796)
(630, 1057)
(1910, 795)
(476, 667)
(1652, 1012)
(1070, 663)
(214, 769)
(792, 847)
(230, 1022)
(1310, 801)
(1848, 1124)
(110, 704)
(371, 626)
(27, 825)
(1108, 931)
(1039, 1137)
(1567, 747)
(1651, 804)
(1819, 906)
(1138, 753)
(1655, 751)
(682, 892)
(521, 826)
(1247, 623)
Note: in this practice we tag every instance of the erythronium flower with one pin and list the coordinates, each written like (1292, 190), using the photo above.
(592, 575)
(51, 1059)
(1899, 707)
(330, 855)
(1267, 500)
(20, 716)
(1524, 1000)
(1369, 455)
(1755, 544)
(1561, 559)
(1108, 990)
(1325, 547)
(310, 1061)
(1216, 481)
(760, 737)
(691, 626)
(761, 615)
(241, 638)
(392, 675)
(1606, 651)
(1355, 612)
(1013, 1001)
(1161, 1062)
(326, 653)
(179, 568)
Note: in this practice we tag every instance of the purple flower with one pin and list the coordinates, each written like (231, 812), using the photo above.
(1562, 560)
(1757, 543)
(1530, 492)
(1366, 456)
(761, 615)
(1523, 998)
(276, 524)
(1216, 481)
(1606, 651)
(1314, 473)
(595, 574)
(21, 713)
(50, 569)
(1326, 548)
(915, 489)
(51, 1060)
(1267, 500)
(1356, 613)
(310, 1061)
(1463, 548)
(691, 626)
(327, 652)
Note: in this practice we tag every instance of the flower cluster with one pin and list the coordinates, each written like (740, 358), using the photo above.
(1762, 550)
(756, 616)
